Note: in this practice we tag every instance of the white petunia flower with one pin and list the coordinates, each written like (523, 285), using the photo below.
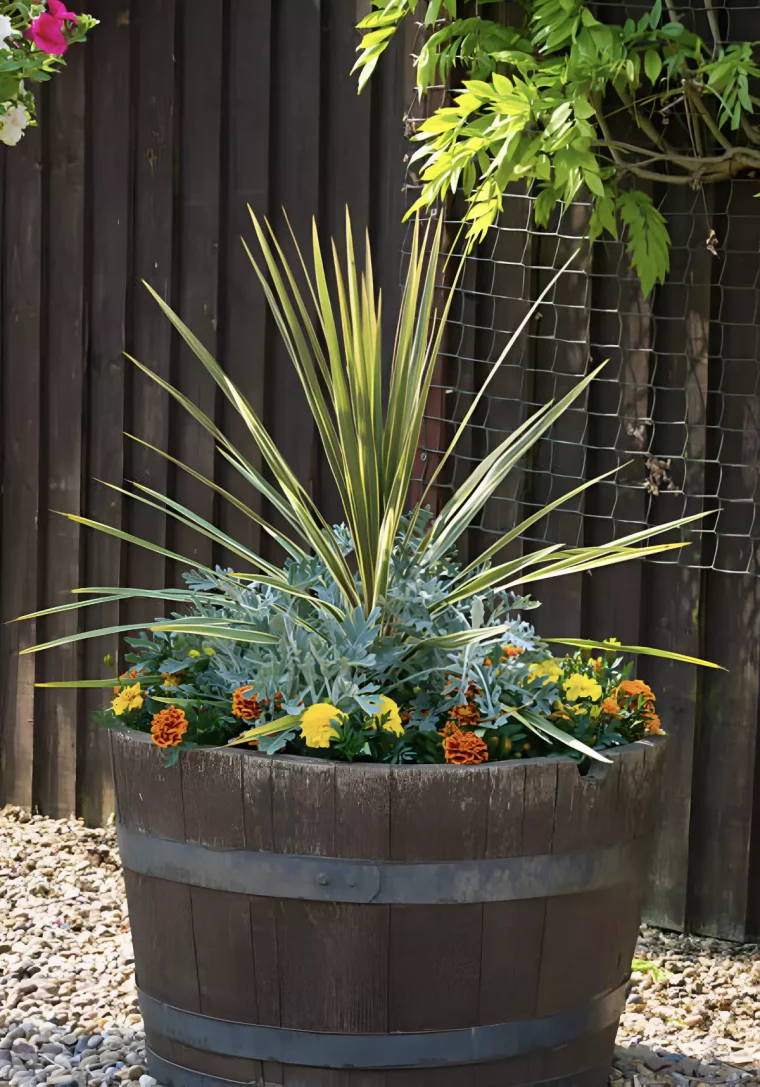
(12, 125)
(6, 28)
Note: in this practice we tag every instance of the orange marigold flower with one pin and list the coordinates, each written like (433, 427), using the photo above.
(634, 687)
(168, 727)
(406, 716)
(464, 748)
(467, 715)
(132, 673)
(510, 651)
(487, 662)
(610, 706)
(653, 725)
(450, 728)
(249, 708)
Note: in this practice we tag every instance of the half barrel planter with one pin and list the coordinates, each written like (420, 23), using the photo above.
(318, 924)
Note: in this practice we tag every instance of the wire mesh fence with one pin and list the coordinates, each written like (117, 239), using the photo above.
(675, 409)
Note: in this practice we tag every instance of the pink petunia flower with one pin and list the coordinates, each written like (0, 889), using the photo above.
(46, 31)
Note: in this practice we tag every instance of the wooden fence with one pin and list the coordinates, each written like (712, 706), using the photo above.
(685, 370)
(173, 118)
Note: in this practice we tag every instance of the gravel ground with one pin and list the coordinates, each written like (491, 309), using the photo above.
(68, 1007)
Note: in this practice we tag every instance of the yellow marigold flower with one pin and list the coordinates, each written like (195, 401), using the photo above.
(128, 698)
(317, 726)
(194, 653)
(393, 722)
(171, 679)
(551, 669)
(209, 651)
(576, 687)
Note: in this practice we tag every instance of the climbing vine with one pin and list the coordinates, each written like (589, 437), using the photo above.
(545, 100)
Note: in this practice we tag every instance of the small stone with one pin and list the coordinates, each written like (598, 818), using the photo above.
(61, 1080)
(136, 1071)
(148, 1081)
(91, 1060)
(24, 1049)
(63, 1060)
(95, 1041)
(693, 1020)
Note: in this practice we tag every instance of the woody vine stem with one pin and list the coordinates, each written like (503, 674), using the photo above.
(569, 104)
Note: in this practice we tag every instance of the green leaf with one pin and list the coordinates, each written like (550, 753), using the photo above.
(648, 238)
(652, 65)
(672, 30)
(208, 629)
(664, 654)
(81, 684)
(546, 729)
(282, 724)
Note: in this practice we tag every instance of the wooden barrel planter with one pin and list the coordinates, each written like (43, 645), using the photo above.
(317, 924)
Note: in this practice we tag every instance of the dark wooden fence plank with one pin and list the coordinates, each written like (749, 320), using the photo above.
(296, 51)
(726, 750)
(345, 170)
(199, 155)
(245, 183)
(22, 273)
(672, 590)
(63, 397)
(150, 339)
(560, 355)
(110, 177)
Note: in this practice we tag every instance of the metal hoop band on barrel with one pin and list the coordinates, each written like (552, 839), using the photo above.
(472, 1045)
(332, 879)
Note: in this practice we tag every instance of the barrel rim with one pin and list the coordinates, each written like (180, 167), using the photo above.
(505, 765)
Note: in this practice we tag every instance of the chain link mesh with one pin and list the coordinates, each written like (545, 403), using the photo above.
(675, 409)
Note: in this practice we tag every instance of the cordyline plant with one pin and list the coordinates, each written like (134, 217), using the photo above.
(541, 100)
(370, 641)
(34, 36)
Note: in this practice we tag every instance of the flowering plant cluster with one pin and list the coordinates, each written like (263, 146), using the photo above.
(34, 37)
(349, 689)
(369, 639)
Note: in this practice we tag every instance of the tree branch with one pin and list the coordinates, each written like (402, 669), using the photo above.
(712, 18)
(696, 100)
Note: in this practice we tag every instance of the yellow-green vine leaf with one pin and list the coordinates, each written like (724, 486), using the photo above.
(648, 238)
